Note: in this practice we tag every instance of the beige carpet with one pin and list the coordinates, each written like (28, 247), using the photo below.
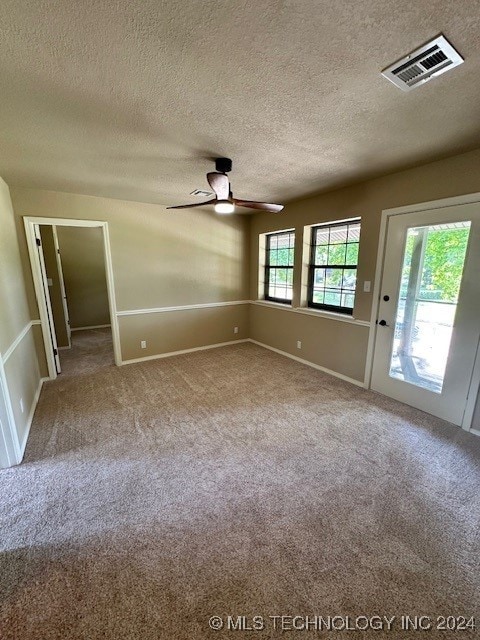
(231, 482)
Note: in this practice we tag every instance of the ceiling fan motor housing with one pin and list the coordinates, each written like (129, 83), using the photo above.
(223, 165)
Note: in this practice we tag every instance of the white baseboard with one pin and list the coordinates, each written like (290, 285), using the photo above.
(308, 363)
(178, 353)
(95, 326)
(23, 444)
(475, 432)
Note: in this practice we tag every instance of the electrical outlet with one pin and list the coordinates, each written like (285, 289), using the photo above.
(22, 409)
(299, 344)
(235, 329)
(143, 344)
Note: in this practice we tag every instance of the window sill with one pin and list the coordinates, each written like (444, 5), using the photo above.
(277, 305)
(316, 313)
(331, 315)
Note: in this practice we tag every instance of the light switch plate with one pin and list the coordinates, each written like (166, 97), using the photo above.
(366, 286)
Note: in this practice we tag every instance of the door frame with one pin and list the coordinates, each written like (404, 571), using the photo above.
(29, 223)
(470, 198)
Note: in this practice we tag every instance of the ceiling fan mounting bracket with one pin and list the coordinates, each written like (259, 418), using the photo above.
(223, 165)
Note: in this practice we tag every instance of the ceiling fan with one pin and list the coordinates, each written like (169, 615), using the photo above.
(224, 201)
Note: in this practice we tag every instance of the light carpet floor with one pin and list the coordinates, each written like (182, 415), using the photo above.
(231, 482)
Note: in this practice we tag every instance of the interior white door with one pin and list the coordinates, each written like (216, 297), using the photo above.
(428, 321)
(46, 293)
(62, 285)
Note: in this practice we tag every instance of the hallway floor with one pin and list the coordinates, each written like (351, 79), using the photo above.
(91, 351)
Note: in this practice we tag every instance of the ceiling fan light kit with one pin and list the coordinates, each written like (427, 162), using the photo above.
(224, 202)
(224, 207)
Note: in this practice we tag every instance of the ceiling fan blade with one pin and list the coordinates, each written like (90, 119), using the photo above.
(264, 206)
(219, 184)
(190, 206)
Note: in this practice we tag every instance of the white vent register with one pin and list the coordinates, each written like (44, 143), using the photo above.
(201, 193)
(431, 60)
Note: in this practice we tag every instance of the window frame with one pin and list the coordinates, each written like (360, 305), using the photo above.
(312, 266)
(268, 266)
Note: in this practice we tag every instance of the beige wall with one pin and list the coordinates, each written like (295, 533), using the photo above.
(160, 259)
(344, 352)
(450, 177)
(13, 302)
(178, 330)
(83, 267)
(55, 290)
(23, 376)
(22, 368)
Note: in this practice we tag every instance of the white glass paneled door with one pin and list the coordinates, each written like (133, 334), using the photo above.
(429, 312)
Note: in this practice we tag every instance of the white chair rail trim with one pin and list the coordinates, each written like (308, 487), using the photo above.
(19, 339)
(187, 307)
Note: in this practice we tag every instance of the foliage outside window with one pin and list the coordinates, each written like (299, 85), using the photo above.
(432, 271)
(279, 266)
(333, 266)
(443, 260)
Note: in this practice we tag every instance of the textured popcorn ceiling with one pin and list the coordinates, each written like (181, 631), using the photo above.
(130, 99)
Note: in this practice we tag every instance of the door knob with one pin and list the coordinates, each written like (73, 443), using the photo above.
(383, 323)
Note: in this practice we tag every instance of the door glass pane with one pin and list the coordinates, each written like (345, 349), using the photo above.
(431, 276)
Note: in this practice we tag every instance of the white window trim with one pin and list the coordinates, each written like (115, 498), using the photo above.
(262, 255)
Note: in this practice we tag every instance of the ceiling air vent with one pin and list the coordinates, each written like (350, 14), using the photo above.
(201, 193)
(423, 64)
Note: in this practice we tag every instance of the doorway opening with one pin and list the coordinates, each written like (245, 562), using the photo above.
(73, 278)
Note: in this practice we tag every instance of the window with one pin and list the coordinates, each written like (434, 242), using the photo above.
(333, 266)
(279, 266)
